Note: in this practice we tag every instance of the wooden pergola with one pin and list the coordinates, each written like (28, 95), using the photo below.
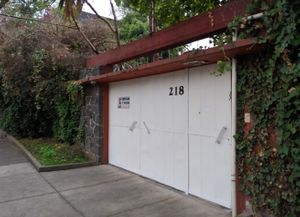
(202, 26)
(187, 60)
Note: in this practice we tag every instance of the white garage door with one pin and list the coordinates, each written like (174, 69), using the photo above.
(210, 118)
(165, 127)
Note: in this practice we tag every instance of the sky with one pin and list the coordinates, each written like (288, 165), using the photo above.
(102, 7)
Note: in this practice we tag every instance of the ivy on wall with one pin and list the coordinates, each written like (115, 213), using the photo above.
(67, 125)
(268, 156)
(39, 100)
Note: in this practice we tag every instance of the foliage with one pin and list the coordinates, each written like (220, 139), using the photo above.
(49, 152)
(2, 3)
(146, 17)
(222, 67)
(269, 87)
(28, 8)
(36, 63)
(168, 12)
(133, 26)
(66, 126)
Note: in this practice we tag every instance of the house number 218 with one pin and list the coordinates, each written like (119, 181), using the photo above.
(175, 91)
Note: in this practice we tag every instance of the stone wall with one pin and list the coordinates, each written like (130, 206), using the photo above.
(91, 118)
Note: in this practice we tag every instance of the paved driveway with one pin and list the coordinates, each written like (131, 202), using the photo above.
(91, 192)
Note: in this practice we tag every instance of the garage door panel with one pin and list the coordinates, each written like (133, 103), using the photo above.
(124, 116)
(180, 114)
(223, 174)
(180, 161)
(153, 148)
(210, 95)
(124, 148)
(132, 150)
(155, 105)
(180, 102)
(202, 167)
(202, 119)
(115, 146)
(210, 181)
(176, 158)
(164, 130)
(209, 122)
(164, 158)
(223, 100)
(158, 108)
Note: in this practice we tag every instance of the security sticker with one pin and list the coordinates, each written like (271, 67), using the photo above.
(124, 102)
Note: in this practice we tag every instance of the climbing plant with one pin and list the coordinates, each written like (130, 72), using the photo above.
(268, 156)
(66, 126)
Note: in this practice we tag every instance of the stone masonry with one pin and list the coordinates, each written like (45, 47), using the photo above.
(91, 118)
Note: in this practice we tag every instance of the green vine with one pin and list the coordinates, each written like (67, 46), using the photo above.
(67, 126)
(268, 155)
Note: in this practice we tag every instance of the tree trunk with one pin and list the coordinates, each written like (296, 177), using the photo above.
(152, 27)
(117, 35)
(152, 21)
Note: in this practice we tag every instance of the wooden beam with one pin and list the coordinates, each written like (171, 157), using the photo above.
(198, 27)
(105, 117)
(187, 60)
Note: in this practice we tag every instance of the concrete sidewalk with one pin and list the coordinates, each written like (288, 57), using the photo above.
(91, 192)
(9, 153)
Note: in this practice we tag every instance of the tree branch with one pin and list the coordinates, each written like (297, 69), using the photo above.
(100, 17)
(84, 36)
(38, 21)
(117, 35)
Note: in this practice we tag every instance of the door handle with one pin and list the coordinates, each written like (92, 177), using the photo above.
(221, 135)
(146, 127)
(131, 128)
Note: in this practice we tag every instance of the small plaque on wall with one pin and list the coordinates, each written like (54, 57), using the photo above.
(247, 118)
(124, 102)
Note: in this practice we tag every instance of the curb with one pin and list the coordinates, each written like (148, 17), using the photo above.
(39, 167)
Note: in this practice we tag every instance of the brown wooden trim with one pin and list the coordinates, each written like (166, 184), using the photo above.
(105, 104)
(187, 60)
(198, 27)
(105, 118)
(240, 199)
